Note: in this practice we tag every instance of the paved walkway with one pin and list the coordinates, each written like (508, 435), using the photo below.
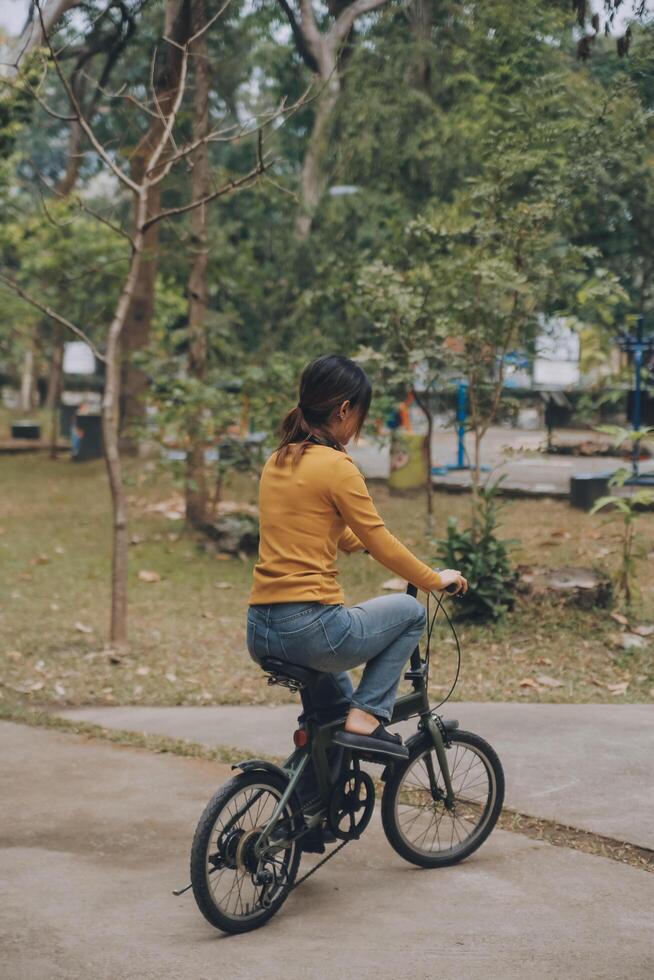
(95, 836)
(587, 765)
(532, 473)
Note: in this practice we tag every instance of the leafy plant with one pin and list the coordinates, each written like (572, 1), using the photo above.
(629, 509)
(482, 558)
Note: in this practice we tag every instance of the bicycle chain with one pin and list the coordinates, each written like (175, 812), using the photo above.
(319, 865)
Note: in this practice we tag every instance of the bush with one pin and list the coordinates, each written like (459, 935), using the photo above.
(483, 559)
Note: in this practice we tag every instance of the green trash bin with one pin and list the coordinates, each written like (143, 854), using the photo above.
(409, 462)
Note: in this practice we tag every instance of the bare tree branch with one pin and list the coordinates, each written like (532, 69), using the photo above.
(90, 133)
(343, 24)
(14, 286)
(232, 185)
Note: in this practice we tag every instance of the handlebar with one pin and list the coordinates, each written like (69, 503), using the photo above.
(412, 590)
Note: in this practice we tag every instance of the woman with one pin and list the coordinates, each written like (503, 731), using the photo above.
(312, 501)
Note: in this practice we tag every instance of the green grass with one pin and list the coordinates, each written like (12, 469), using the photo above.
(187, 630)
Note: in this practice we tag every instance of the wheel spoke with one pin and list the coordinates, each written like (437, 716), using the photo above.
(419, 819)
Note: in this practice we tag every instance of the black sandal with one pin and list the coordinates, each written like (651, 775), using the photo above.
(378, 741)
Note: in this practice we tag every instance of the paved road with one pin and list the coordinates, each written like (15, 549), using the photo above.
(587, 765)
(95, 836)
(531, 473)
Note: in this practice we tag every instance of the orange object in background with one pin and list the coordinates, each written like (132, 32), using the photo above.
(403, 412)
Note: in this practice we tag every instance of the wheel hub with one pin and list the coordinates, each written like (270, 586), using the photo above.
(246, 857)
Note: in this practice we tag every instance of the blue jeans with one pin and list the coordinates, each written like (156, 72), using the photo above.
(381, 633)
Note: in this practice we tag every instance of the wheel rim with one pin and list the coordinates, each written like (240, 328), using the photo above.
(230, 865)
(426, 825)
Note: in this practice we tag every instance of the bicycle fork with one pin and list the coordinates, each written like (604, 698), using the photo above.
(429, 724)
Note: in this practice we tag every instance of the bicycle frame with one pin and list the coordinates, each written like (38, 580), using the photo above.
(320, 740)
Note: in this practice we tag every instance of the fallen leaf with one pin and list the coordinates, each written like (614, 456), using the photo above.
(143, 671)
(25, 577)
(222, 556)
(629, 641)
(561, 533)
(59, 550)
(644, 630)
(619, 618)
(147, 576)
(223, 585)
(13, 655)
(544, 662)
(548, 681)
(138, 690)
(528, 682)
(394, 584)
(60, 690)
(208, 615)
(54, 607)
(81, 628)
(39, 560)
(617, 689)
(171, 677)
(37, 686)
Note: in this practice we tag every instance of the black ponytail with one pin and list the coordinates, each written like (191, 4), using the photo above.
(325, 384)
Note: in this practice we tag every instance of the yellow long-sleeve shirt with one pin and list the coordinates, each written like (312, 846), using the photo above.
(310, 508)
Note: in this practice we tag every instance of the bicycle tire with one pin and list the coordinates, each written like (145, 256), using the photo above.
(202, 890)
(396, 832)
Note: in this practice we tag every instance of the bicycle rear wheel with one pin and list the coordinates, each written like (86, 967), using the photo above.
(235, 890)
(416, 821)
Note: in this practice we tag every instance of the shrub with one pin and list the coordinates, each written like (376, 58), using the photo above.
(482, 558)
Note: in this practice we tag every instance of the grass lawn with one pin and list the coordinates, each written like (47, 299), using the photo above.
(187, 629)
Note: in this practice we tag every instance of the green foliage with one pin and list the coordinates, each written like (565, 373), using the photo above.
(628, 509)
(482, 558)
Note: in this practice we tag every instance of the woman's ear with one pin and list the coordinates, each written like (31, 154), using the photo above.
(344, 409)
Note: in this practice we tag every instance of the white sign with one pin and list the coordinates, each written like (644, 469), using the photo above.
(556, 364)
(78, 358)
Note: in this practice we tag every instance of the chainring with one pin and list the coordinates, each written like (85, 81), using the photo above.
(352, 803)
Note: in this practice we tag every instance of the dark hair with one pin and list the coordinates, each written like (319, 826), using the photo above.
(325, 384)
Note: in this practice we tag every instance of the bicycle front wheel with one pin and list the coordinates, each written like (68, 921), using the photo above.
(418, 824)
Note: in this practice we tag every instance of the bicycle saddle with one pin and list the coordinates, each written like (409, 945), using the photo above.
(292, 672)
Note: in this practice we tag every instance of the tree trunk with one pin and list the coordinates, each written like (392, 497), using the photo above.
(313, 176)
(421, 20)
(136, 332)
(55, 379)
(69, 177)
(110, 424)
(425, 408)
(196, 481)
(27, 379)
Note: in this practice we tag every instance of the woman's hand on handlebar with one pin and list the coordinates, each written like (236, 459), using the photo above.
(452, 581)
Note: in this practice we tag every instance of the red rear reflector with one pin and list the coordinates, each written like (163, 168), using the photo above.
(300, 738)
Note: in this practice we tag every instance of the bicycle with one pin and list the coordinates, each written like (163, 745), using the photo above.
(438, 805)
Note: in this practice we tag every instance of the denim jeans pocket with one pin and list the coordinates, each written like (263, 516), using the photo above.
(337, 627)
(309, 643)
(256, 641)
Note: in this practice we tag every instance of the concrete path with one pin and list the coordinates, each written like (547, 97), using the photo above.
(95, 836)
(533, 473)
(589, 765)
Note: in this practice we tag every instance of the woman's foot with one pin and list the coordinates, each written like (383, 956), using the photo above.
(364, 733)
(360, 722)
